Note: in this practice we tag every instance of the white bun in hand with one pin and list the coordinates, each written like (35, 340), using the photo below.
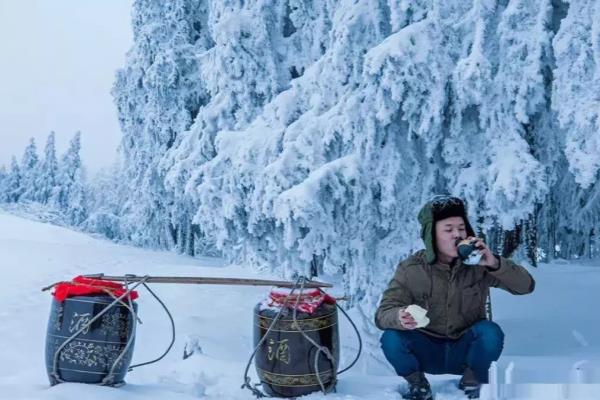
(419, 315)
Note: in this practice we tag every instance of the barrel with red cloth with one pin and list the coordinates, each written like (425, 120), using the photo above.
(99, 353)
(285, 361)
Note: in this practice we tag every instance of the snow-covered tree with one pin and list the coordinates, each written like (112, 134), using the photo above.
(158, 95)
(71, 197)
(3, 183)
(304, 136)
(576, 87)
(108, 190)
(237, 86)
(258, 48)
(444, 97)
(575, 101)
(13, 184)
(29, 170)
(76, 207)
(46, 185)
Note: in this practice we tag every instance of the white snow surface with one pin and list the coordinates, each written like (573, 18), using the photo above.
(552, 348)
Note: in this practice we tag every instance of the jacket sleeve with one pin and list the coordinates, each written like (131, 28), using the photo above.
(396, 296)
(511, 277)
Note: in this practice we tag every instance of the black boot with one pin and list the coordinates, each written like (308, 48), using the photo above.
(418, 387)
(469, 384)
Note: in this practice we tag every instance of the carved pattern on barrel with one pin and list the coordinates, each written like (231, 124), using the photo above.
(295, 380)
(86, 353)
(308, 324)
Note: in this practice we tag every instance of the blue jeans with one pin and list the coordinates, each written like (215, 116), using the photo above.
(477, 348)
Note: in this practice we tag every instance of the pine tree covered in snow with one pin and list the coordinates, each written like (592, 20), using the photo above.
(72, 198)
(304, 135)
(47, 189)
(29, 170)
(107, 190)
(76, 210)
(13, 184)
(250, 60)
(46, 184)
(158, 95)
(3, 184)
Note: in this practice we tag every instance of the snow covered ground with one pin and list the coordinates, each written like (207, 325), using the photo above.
(552, 336)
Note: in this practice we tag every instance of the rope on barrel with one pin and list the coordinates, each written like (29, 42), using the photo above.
(320, 349)
(324, 349)
(360, 343)
(247, 383)
(172, 331)
(85, 326)
(108, 379)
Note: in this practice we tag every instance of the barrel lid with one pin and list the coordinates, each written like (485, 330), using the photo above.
(307, 301)
(82, 286)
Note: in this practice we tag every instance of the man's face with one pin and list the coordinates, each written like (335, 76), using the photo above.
(446, 232)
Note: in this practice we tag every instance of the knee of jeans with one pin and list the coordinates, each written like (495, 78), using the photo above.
(393, 341)
(489, 333)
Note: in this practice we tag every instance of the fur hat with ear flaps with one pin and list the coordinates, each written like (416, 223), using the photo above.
(436, 209)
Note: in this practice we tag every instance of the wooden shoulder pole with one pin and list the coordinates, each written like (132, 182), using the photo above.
(199, 280)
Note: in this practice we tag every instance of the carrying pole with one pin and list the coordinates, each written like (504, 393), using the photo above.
(199, 280)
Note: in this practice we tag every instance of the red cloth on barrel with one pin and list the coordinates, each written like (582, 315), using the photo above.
(82, 286)
(309, 301)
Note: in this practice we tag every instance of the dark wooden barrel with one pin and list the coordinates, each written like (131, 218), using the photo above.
(285, 360)
(90, 356)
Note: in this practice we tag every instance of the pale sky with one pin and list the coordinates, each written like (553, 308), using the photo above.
(57, 65)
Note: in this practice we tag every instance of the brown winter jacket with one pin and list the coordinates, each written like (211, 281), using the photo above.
(454, 297)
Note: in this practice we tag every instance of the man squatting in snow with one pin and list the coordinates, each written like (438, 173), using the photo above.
(459, 339)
